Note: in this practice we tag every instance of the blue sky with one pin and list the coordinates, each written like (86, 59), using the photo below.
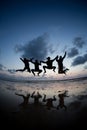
(42, 28)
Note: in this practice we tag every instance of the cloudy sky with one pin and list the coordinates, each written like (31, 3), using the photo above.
(42, 28)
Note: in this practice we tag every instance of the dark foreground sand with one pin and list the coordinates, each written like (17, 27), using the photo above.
(37, 117)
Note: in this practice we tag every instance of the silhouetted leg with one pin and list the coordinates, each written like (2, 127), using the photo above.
(59, 71)
(28, 70)
(54, 68)
(39, 72)
(21, 70)
(64, 71)
(33, 72)
(44, 67)
(65, 107)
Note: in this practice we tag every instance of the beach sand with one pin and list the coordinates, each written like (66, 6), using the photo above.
(38, 117)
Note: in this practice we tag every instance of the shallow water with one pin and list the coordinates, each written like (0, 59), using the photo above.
(74, 88)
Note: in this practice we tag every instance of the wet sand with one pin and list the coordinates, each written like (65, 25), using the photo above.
(38, 117)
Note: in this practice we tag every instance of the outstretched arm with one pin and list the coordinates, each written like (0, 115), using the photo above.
(42, 61)
(55, 58)
(21, 59)
(31, 59)
(19, 94)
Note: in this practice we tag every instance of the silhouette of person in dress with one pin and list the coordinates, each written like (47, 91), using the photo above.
(36, 97)
(26, 63)
(25, 99)
(36, 64)
(60, 64)
(61, 100)
(49, 63)
(49, 101)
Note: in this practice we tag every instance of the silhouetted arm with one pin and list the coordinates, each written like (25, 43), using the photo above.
(21, 59)
(64, 55)
(43, 61)
(39, 62)
(32, 62)
(32, 95)
(55, 58)
(19, 94)
(31, 59)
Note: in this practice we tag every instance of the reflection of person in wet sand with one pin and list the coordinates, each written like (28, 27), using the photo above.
(60, 64)
(61, 100)
(49, 101)
(36, 64)
(49, 63)
(25, 99)
(27, 67)
(36, 97)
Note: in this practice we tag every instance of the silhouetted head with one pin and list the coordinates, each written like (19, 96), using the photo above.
(36, 60)
(24, 58)
(60, 95)
(60, 57)
(48, 58)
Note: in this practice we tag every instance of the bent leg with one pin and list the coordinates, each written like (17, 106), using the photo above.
(44, 67)
(64, 71)
(21, 70)
(28, 69)
(33, 72)
(39, 72)
(54, 68)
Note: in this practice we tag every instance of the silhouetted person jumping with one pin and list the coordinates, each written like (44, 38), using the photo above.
(49, 101)
(60, 64)
(61, 100)
(36, 97)
(36, 64)
(27, 66)
(25, 99)
(49, 63)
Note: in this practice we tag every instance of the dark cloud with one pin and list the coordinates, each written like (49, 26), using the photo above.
(79, 42)
(12, 71)
(38, 48)
(80, 60)
(72, 52)
(2, 67)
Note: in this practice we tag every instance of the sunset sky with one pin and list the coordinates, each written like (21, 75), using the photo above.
(42, 28)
